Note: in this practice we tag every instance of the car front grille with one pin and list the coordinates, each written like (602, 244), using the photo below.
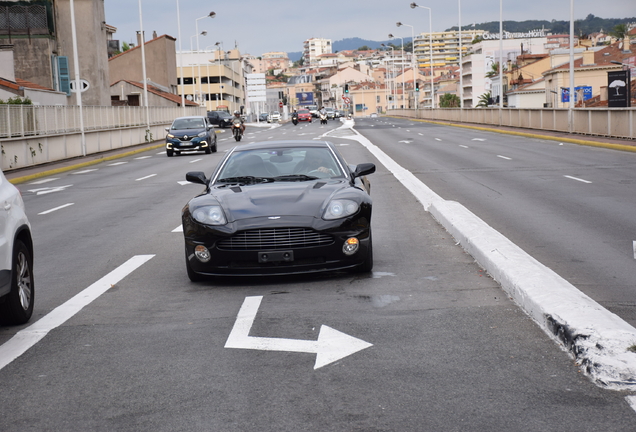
(275, 238)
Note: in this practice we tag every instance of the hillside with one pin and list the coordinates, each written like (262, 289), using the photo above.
(586, 26)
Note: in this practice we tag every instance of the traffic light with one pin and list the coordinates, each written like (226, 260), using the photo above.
(346, 88)
(417, 86)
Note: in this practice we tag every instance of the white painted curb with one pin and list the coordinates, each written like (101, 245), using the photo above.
(598, 339)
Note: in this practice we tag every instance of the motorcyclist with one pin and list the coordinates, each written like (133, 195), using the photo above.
(294, 117)
(237, 119)
(323, 111)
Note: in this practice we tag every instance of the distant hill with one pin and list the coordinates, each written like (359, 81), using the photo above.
(586, 26)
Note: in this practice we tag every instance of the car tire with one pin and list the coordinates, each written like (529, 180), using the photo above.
(18, 304)
(367, 265)
(169, 153)
(208, 150)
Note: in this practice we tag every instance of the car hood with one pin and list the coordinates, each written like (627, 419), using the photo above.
(276, 199)
(188, 132)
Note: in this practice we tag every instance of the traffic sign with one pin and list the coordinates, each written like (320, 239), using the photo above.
(280, 104)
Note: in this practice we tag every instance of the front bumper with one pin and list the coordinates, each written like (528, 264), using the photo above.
(249, 261)
(193, 145)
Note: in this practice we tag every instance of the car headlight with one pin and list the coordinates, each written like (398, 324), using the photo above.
(340, 208)
(202, 134)
(209, 215)
(170, 136)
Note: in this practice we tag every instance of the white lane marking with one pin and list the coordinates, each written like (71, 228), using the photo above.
(196, 160)
(420, 133)
(178, 229)
(464, 146)
(504, 157)
(161, 153)
(48, 190)
(117, 163)
(44, 181)
(437, 139)
(26, 338)
(634, 246)
(478, 139)
(577, 179)
(56, 208)
(147, 177)
(84, 171)
(142, 157)
(631, 400)
(332, 345)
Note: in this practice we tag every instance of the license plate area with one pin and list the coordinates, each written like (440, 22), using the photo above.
(275, 256)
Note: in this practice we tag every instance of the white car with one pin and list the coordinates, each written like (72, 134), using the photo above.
(16, 257)
(273, 117)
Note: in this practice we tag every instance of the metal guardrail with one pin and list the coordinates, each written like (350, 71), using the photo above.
(18, 121)
(609, 122)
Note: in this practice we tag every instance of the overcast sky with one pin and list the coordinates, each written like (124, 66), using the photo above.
(260, 26)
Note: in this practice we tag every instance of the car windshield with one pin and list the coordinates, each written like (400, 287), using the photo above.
(280, 164)
(188, 123)
(303, 111)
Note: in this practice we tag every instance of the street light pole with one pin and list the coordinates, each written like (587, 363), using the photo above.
(196, 27)
(430, 47)
(392, 65)
(412, 51)
(180, 58)
(402, 61)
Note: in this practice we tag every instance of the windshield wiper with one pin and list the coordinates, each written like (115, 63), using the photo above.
(295, 177)
(246, 180)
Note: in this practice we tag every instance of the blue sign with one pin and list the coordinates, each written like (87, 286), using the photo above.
(305, 98)
(585, 90)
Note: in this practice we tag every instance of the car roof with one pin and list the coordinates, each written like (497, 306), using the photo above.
(190, 117)
(283, 144)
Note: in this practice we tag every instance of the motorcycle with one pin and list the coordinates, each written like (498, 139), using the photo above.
(295, 120)
(323, 119)
(236, 131)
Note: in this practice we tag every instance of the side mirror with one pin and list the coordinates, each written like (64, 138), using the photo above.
(197, 177)
(167, 129)
(364, 169)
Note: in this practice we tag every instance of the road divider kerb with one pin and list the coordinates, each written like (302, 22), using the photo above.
(598, 339)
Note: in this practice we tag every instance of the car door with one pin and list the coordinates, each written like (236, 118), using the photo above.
(7, 227)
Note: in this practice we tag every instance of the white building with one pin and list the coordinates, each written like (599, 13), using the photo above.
(314, 47)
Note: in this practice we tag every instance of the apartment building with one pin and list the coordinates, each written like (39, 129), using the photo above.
(275, 61)
(444, 47)
(39, 32)
(314, 47)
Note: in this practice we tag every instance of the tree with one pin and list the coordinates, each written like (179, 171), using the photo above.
(124, 46)
(364, 48)
(484, 100)
(619, 31)
(449, 100)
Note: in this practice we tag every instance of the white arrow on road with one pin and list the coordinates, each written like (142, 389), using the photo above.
(331, 345)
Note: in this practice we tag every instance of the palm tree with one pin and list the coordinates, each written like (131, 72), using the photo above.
(619, 31)
(483, 100)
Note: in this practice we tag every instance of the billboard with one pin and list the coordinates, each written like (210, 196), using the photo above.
(305, 98)
(618, 91)
(585, 91)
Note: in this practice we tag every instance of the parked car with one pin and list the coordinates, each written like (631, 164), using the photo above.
(279, 207)
(17, 287)
(262, 117)
(273, 117)
(222, 119)
(193, 133)
(304, 115)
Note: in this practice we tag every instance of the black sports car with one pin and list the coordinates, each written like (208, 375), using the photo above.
(279, 207)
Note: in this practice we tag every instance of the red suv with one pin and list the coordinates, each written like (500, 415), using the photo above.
(304, 115)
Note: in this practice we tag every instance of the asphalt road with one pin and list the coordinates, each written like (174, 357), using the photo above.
(449, 351)
(571, 207)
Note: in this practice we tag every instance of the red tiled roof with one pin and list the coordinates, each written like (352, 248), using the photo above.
(29, 84)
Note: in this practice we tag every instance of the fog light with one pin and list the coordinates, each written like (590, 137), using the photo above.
(202, 253)
(351, 246)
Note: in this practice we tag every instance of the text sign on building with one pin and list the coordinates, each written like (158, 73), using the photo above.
(618, 91)
(586, 91)
(508, 35)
